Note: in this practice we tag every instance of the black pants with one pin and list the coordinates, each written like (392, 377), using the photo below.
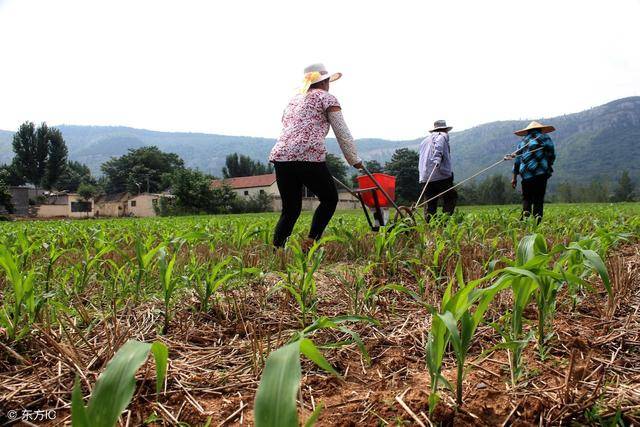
(533, 190)
(448, 199)
(291, 178)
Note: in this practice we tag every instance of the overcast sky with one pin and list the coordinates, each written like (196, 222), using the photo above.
(229, 67)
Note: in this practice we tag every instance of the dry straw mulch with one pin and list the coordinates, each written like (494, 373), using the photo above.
(216, 359)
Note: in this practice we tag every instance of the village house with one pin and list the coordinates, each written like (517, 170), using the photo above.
(125, 204)
(65, 205)
(112, 205)
(252, 186)
(142, 205)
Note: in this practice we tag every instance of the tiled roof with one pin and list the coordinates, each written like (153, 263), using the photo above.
(246, 181)
(112, 198)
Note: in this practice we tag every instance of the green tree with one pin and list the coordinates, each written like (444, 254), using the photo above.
(193, 190)
(404, 166)
(624, 191)
(56, 158)
(493, 190)
(10, 175)
(240, 165)
(73, 175)
(337, 167)
(30, 146)
(194, 193)
(262, 202)
(373, 166)
(40, 154)
(468, 194)
(596, 191)
(145, 169)
(87, 191)
(564, 193)
(5, 197)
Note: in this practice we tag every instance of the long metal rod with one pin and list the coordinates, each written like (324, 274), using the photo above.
(504, 159)
(345, 187)
(416, 204)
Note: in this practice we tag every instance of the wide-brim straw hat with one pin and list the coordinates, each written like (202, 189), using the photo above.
(316, 73)
(535, 126)
(440, 125)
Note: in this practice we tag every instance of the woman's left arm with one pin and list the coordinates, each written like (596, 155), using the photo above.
(343, 135)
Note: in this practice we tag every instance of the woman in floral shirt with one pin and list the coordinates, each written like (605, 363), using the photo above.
(299, 154)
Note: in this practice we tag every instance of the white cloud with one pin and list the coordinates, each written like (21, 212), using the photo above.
(229, 67)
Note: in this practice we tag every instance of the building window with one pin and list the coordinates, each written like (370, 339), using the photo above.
(246, 192)
(262, 192)
(80, 206)
(133, 203)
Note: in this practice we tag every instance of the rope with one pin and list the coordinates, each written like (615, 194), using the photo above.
(504, 159)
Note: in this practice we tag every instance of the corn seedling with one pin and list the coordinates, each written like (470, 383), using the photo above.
(215, 278)
(461, 337)
(299, 279)
(168, 282)
(23, 296)
(115, 386)
(145, 254)
(456, 304)
(275, 403)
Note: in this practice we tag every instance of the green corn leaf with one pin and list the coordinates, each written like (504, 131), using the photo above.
(400, 288)
(275, 403)
(80, 418)
(324, 322)
(595, 261)
(454, 336)
(459, 275)
(468, 328)
(529, 247)
(487, 295)
(114, 389)
(434, 398)
(507, 345)
(314, 416)
(354, 318)
(161, 357)
(521, 272)
(308, 348)
(356, 338)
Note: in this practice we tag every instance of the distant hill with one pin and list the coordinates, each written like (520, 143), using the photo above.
(592, 144)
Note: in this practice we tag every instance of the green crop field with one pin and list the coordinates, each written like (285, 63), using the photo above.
(475, 319)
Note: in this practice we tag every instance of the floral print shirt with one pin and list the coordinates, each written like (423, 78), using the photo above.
(304, 127)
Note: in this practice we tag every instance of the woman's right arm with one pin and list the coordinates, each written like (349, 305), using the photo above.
(343, 135)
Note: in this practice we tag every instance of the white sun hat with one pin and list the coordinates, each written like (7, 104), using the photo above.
(316, 73)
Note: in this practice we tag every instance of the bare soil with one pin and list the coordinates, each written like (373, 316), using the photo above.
(592, 367)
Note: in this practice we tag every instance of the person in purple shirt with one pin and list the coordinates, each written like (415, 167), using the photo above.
(435, 167)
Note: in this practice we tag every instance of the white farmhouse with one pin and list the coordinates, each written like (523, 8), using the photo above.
(250, 186)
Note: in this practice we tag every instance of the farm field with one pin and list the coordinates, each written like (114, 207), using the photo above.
(480, 319)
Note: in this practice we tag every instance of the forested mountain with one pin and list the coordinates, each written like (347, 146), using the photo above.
(596, 143)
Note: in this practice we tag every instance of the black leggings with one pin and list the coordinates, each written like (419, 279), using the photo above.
(292, 177)
(533, 190)
(449, 198)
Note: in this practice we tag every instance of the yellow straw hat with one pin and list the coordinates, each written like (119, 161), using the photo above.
(316, 73)
(535, 125)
